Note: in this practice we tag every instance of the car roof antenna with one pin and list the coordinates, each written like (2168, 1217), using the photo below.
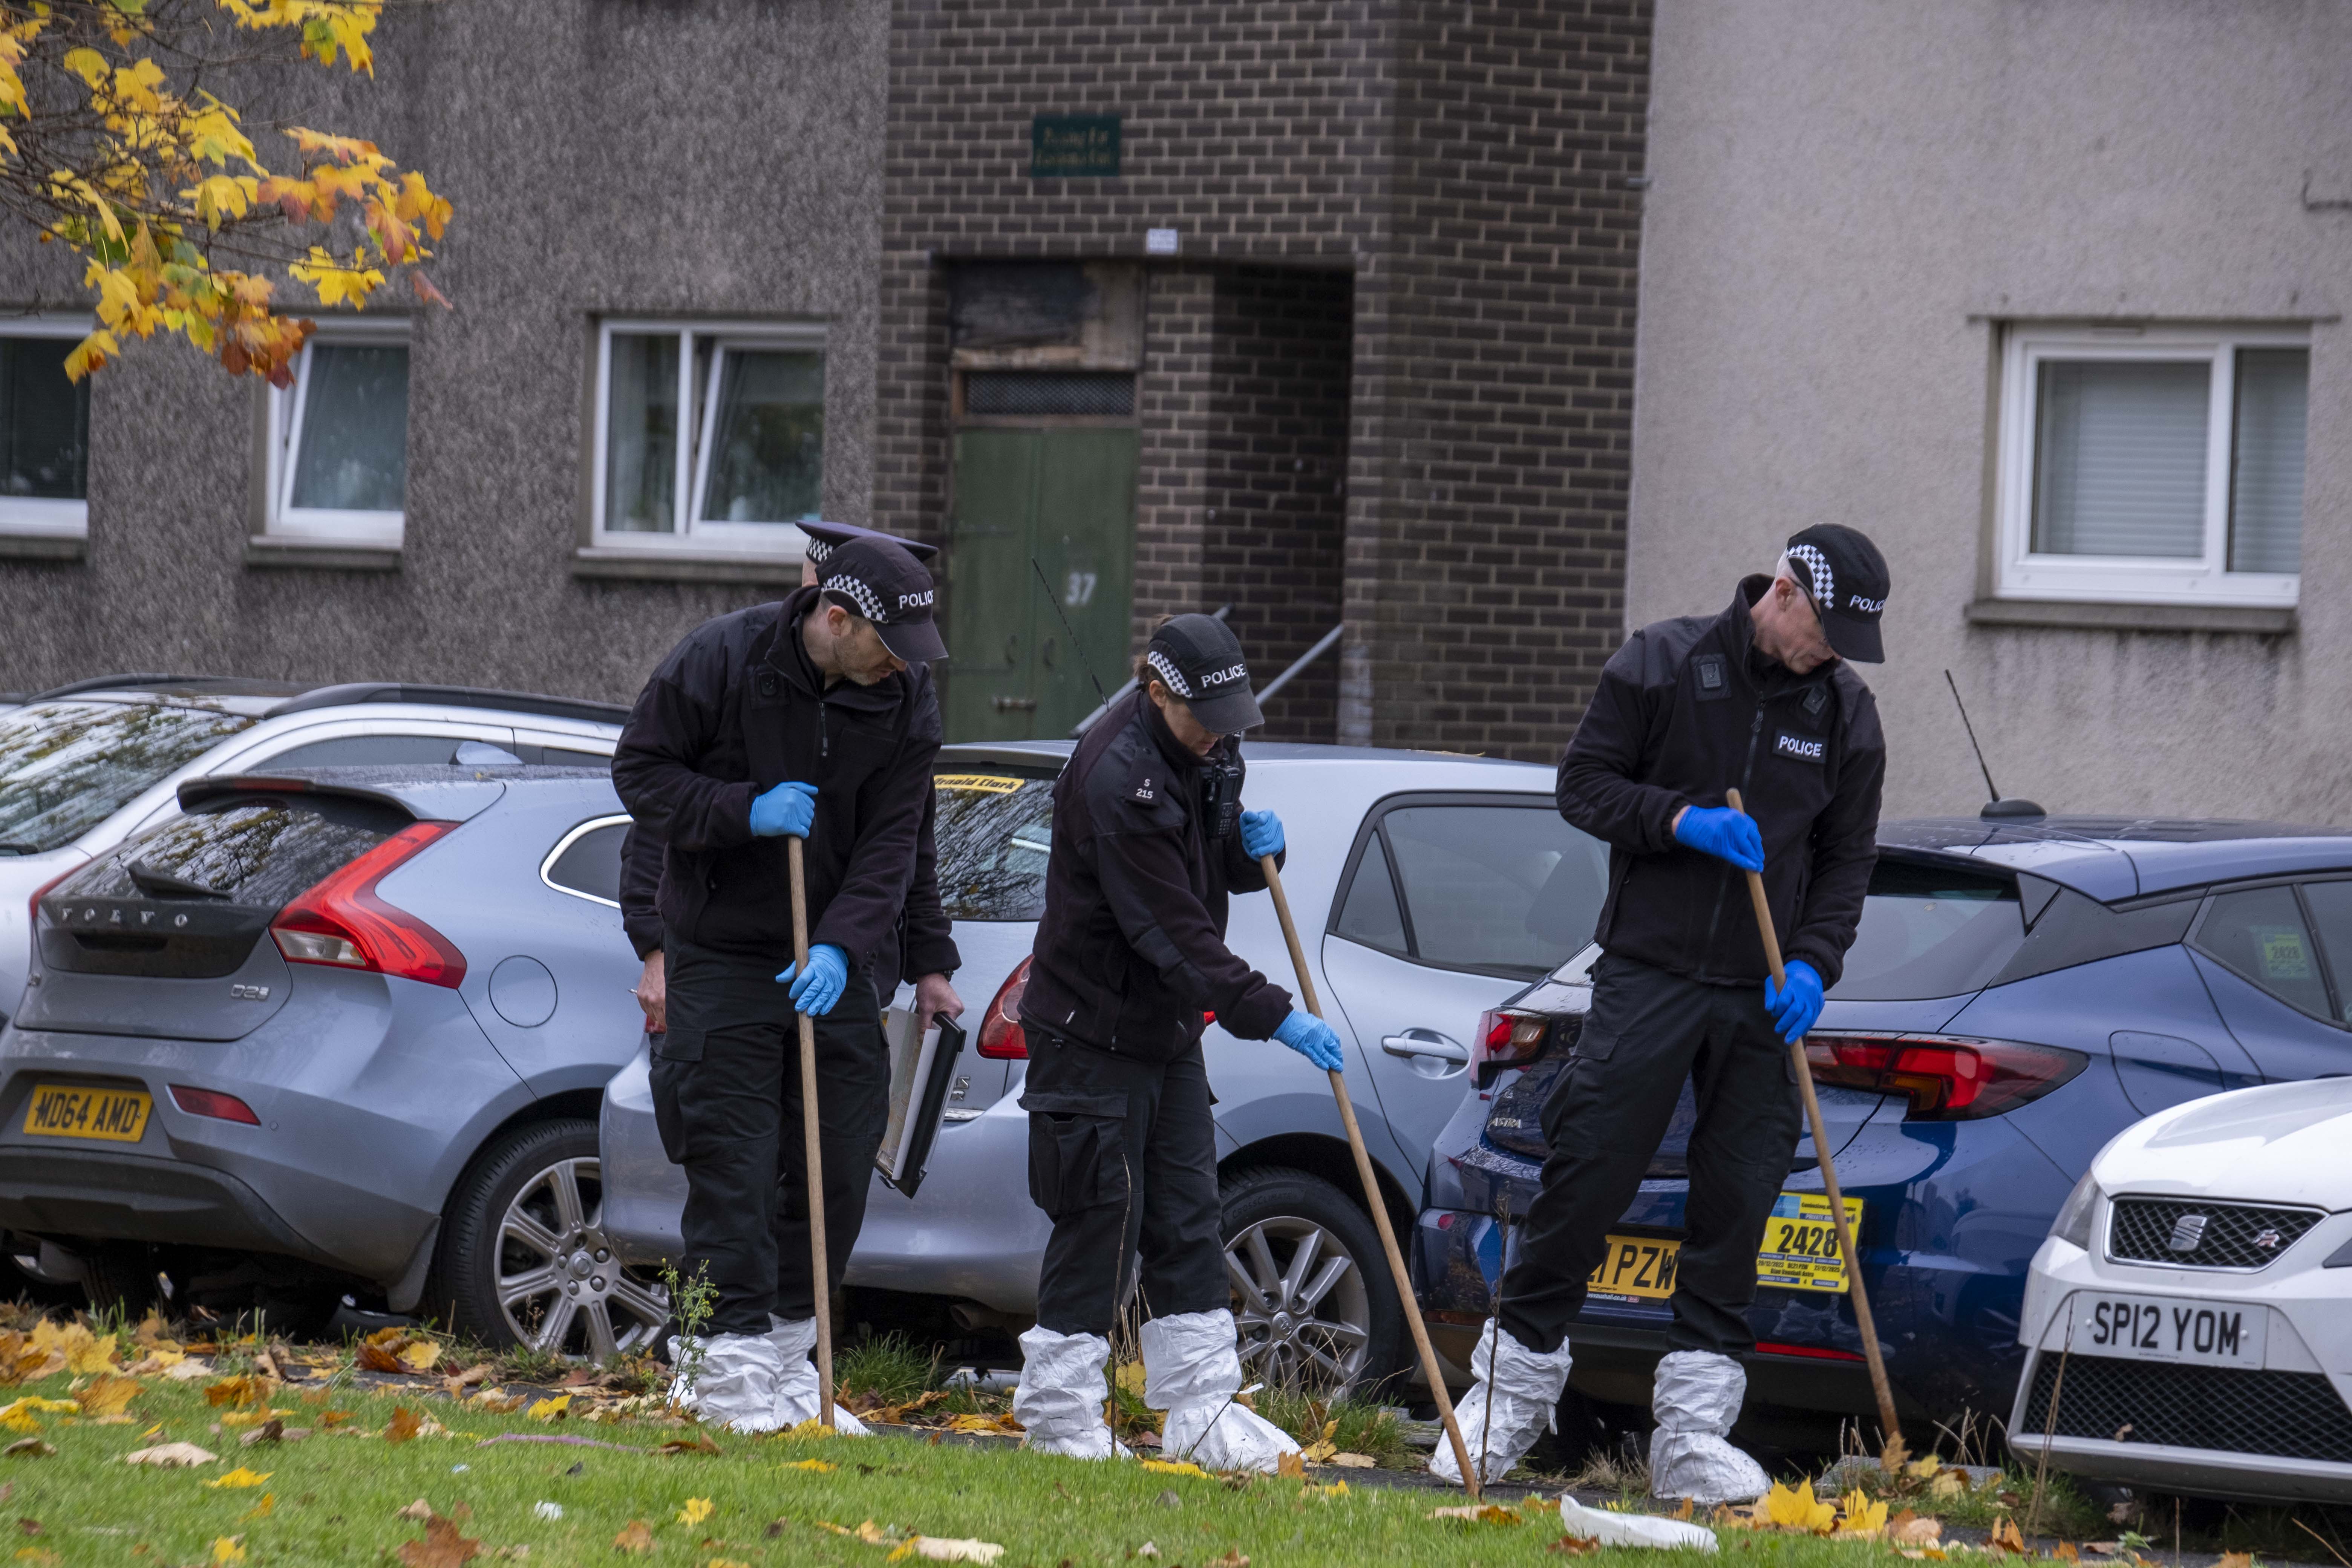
(1074, 646)
(1996, 808)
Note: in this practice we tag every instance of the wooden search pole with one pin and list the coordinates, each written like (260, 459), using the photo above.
(1879, 1385)
(1372, 1199)
(822, 1286)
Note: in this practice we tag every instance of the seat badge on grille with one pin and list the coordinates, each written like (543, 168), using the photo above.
(2268, 1240)
(2187, 1232)
(249, 993)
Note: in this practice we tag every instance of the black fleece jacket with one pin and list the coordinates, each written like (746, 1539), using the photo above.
(1685, 710)
(1132, 947)
(736, 709)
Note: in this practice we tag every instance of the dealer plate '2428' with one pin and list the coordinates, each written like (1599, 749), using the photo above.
(72, 1111)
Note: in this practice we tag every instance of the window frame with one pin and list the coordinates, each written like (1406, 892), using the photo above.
(2193, 939)
(282, 520)
(45, 517)
(1372, 833)
(698, 412)
(2020, 573)
(580, 831)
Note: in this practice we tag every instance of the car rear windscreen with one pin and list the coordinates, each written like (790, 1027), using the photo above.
(65, 767)
(190, 899)
(994, 830)
(1927, 931)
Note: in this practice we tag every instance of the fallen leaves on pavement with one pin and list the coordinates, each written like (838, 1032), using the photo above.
(998, 1424)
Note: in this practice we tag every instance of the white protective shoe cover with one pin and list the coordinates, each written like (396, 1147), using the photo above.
(1697, 1398)
(796, 1386)
(1630, 1529)
(1523, 1388)
(1192, 1369)
(736, 1386)
(1061, 1394)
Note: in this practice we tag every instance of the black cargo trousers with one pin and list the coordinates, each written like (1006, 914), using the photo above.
(1649, 1031)
(727, 1096)
(1122, 1156)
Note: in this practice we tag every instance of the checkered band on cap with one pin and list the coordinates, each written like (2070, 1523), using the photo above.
(1824, 584)
(868, 602)
(816, 549)
(1167, 668)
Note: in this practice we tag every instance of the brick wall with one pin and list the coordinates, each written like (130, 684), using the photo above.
(1466, 165)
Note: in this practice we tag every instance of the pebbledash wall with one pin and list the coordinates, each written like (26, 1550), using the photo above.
(1387, 376)
(1859, 211)
(1436, 201)
(674, 162)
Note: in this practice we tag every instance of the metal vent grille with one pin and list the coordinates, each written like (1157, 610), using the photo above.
(1085, 394)
(2232, 1236)
(2291, 1415)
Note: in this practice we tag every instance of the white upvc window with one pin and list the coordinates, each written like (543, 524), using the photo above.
(709, 436)
(338, 439)
(44, 427)
(2157, 465)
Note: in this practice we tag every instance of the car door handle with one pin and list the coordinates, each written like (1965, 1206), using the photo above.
(1424, 1043)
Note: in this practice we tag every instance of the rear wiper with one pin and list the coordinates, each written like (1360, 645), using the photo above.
(153, 881)
(19, 849)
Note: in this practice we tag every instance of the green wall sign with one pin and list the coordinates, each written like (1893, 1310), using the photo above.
(1074, 146)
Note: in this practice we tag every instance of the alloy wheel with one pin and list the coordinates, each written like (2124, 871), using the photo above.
(560, 1284)
(1301, 1305)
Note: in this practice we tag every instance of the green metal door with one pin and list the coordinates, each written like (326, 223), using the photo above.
(1056, 504)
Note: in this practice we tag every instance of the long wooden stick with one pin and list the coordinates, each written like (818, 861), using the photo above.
(1372, 1199)
(815, 1160)
(1879, 1383)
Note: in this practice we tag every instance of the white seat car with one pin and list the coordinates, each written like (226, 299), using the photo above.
(2190, 1314)
(82, 767)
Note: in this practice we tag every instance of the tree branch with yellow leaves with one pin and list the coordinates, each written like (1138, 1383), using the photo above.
(113, 145)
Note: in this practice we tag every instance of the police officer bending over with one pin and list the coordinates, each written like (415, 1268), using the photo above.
(1148, 839)
(1758, 698)
(815, 718)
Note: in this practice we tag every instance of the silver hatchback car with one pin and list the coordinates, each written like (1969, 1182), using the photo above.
(336, 1031)
(1429, 887)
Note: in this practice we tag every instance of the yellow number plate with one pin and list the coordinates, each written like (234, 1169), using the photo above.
(1800, 1252)
(61, 1111)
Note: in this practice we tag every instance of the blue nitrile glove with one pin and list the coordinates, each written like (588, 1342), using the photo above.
(1726, 834)
(1311, 1038)
(828, 971)
(1261, 834)
(1796, 1009)
(784, 811)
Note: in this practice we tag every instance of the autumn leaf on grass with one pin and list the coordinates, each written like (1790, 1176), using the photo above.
(241, 1477)
(442, 1547)
(420, 1356)
(698, 1444)
(1575, 1545)
(1908, 1529)
(379, 1358)
(1863, 1517)
(405, 1423)
(2004, 1536)
(27, 1448)
(1947, 1485)
(94, 1354)
(1291, 1465)
(819, 1466)
(1174, 1468)
(636, 1536)
(262, 1509)
(1796, 1510)
(228, 1549)
(236, 1391)
(939, 1549)
(551, 1409)
(696, 1510)
(333, 1418)
(170, 1456)
(1476, 1513)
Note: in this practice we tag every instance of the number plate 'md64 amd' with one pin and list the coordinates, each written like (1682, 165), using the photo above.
(72, 1111)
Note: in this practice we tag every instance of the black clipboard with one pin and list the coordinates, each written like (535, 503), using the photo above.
(903, 1159)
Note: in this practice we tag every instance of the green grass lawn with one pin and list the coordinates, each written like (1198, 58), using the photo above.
(331, 1498)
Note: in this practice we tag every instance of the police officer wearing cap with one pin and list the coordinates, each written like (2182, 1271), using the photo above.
(1149, 840)
(814, 718)
(927, 955)
(1761, 698)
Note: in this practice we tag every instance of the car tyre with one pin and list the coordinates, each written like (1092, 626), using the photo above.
(1330, 1323)
(523, 1259)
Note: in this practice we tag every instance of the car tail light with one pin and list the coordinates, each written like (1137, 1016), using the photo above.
(1001, 1039)
(344, 924)
(33, 906)
(1944, 1080)
(213, 1103)
(1506, 1038)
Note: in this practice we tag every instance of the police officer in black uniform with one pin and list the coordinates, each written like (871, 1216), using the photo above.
(927, 949)
(1763, 697)
(814, 718)
(1149, 840)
